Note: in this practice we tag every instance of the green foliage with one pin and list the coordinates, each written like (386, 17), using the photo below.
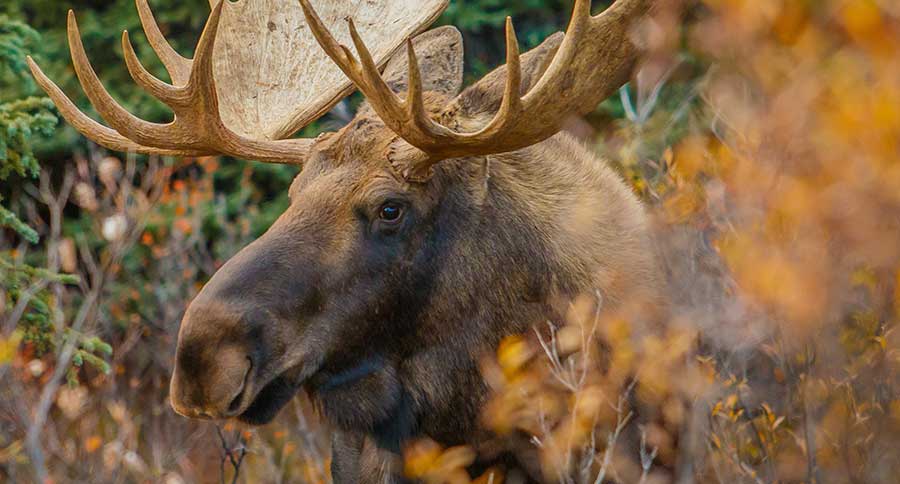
(14, 38)
(20, 120)
(86, 353)
(21, 281)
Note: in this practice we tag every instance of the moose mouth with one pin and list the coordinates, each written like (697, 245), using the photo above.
(278, 392)
(269, 401)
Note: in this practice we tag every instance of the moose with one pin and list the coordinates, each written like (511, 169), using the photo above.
(437, 222)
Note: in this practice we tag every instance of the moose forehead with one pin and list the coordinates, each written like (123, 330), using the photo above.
(350, 166)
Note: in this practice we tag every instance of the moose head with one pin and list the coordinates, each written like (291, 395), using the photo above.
(417, 236)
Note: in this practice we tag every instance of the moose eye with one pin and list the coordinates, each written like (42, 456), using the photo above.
(391, 212)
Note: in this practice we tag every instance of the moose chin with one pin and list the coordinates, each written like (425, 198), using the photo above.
(433, 225)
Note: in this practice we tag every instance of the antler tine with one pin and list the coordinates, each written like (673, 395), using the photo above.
(421, 131)
(178, 67)
(512, 102)
(376, 89)
(580, 22)
(511, 105)
(132, 127)
(363, 72)
(337, 52)
(163, 91)
(202, 82)
(415, 102)
(104, 136)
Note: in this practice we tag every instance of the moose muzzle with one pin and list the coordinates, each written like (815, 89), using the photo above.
(214, 364)
(232, 358)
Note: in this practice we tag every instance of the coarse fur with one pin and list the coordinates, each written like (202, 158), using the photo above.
(384, 323)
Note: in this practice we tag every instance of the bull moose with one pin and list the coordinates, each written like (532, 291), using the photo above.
(419, 235)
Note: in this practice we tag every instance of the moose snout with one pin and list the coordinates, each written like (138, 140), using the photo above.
(211, 390)
(213, 364)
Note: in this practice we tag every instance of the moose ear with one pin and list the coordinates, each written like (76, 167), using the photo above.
(484, 97)
(440, 55)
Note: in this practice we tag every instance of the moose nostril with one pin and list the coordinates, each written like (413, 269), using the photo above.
(238, 399)
(235, 404)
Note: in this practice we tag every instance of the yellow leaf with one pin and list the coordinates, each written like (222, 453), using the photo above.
(778, 422)
(9, 346)
(731, 400)
(419, 457)
(512, 354)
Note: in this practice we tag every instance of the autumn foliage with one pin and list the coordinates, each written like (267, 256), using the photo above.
(764, 137)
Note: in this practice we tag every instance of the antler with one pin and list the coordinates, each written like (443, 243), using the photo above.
(595, 58)
(198, 127)
(261, 99)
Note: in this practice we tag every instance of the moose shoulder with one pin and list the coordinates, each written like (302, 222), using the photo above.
(418, 236)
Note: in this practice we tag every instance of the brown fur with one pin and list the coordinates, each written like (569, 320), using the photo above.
(385, 326)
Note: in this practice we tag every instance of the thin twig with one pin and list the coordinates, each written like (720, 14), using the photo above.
(646, 457)
(48, 394)
(21, 305)
(621, 423)
(229, 456)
